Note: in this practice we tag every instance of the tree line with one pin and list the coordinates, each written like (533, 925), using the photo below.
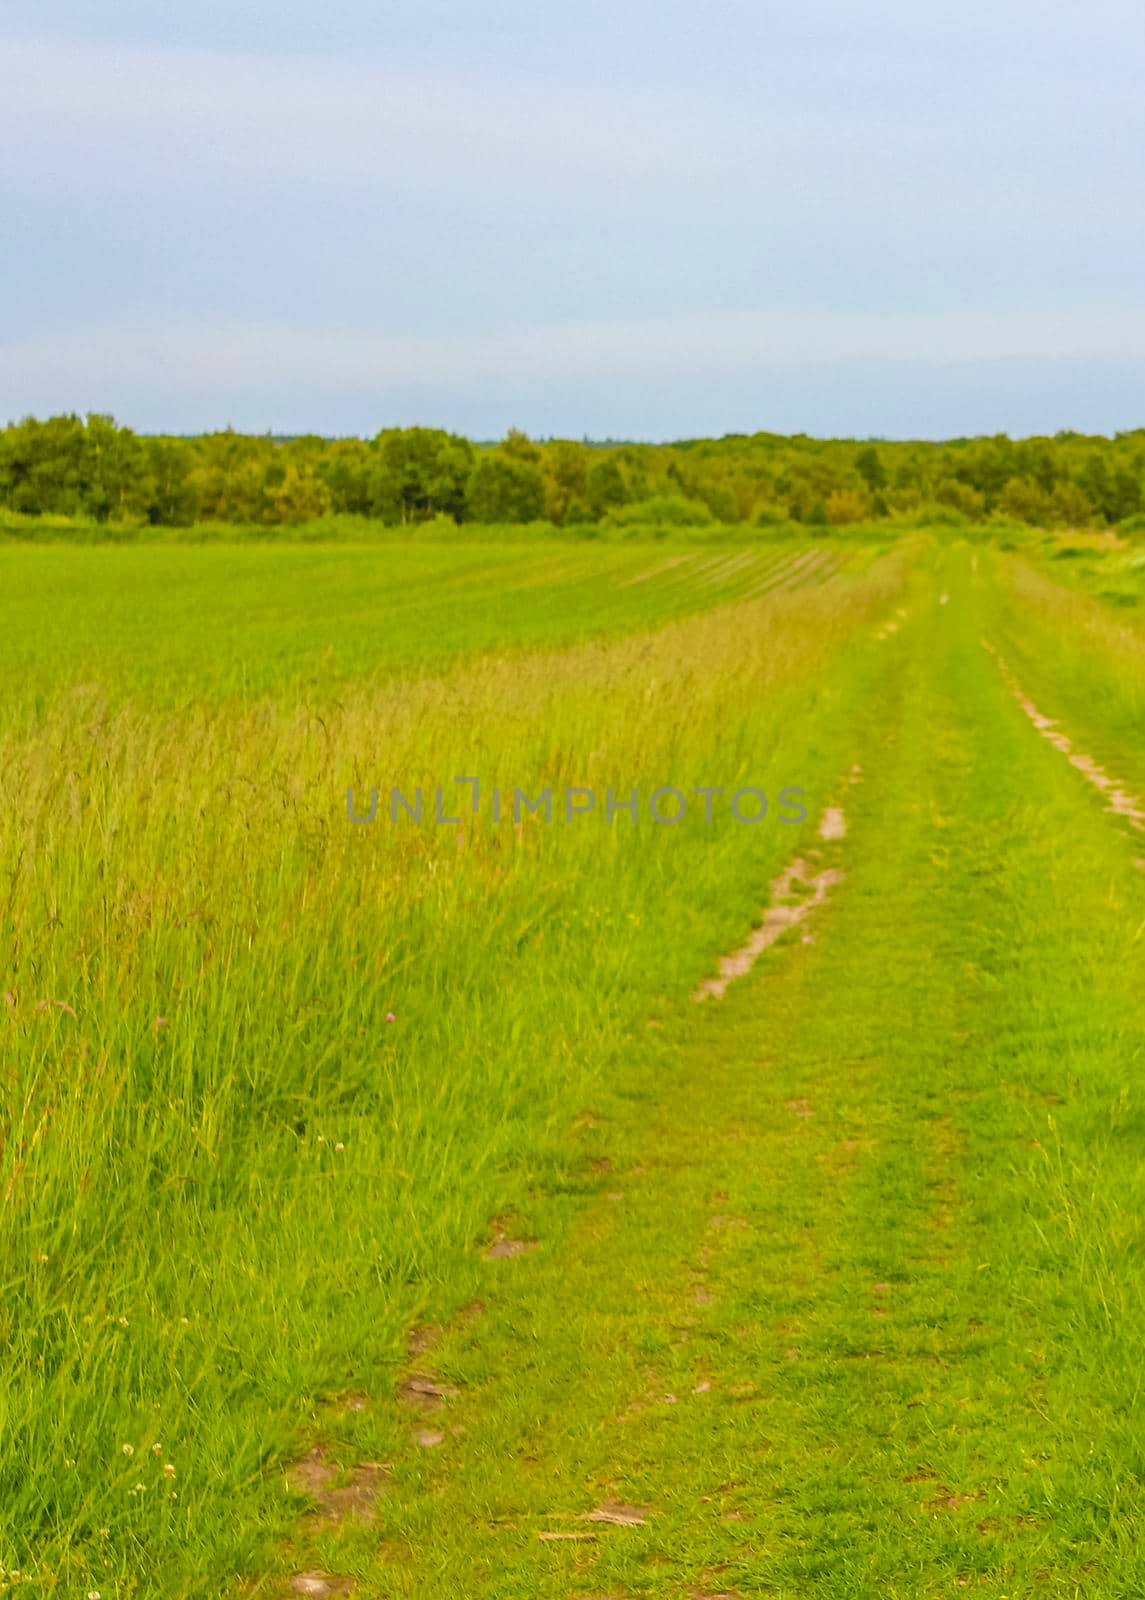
(92, 468)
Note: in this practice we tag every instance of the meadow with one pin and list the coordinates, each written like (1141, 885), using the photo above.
(1100, 564)
(269, 620)
(383, 1215)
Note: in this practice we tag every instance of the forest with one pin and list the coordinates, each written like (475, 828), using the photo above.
(93, 469)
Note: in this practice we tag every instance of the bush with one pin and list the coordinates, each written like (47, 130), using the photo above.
(1027, 501)
(940, 515)
(847, 505)
(961, 497)
(661, 511)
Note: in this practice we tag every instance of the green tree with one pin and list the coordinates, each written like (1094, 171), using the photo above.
(564, 466)
(44, 466)
(869, 466)
(605, 486)
(345, 469)
(294, 494)
(419, 473)
(961, 496)
(1027, 501)
(1096, 481)
(502, 489)
(229, 476)
(519, 447)
(173, 502)
(1071, 506)
(117, 485)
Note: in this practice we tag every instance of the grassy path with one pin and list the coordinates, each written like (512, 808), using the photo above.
(843, 1297)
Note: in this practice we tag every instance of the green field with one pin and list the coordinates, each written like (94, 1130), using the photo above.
(179, 623)
(1100, 564)
(561, 1284)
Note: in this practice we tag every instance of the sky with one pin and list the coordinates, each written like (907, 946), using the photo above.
(608, 218)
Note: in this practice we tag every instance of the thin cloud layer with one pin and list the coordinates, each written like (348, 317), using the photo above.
(188, 356)
(600, 196)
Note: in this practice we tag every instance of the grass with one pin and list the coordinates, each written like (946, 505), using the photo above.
(836, 1281)
(1108, 566)
(187, 625)
(1081, 661)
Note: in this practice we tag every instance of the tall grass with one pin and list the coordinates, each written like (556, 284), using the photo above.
(1081, 661)
(228, 1181)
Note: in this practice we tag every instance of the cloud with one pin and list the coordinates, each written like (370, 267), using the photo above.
(126, 109)
(848, 122)
(226, 359)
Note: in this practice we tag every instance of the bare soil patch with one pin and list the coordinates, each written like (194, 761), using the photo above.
(317, 1583)
(339, 1494)
(423, 1393)
(505, 1249)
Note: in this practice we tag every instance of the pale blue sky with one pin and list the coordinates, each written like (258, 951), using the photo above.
(638, 219)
